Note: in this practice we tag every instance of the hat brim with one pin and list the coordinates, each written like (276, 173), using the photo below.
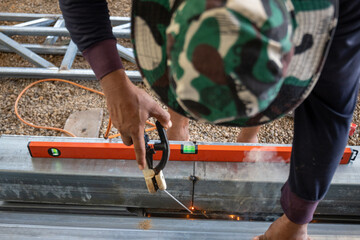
(315, 26)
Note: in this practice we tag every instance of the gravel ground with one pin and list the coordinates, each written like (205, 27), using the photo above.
(51, 103)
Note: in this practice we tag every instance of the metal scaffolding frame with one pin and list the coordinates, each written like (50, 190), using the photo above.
(52, 26)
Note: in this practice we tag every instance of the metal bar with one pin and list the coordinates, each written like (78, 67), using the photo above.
(50, 40)
(123, 26)
(25, 53)
(69, 56)
(125, 53)
(46, 49)
(50, 31)
(20, 225)
(40, 49)
(36, 23)
(235, 187)
(127, 190)
(86, 74)
(23, 17)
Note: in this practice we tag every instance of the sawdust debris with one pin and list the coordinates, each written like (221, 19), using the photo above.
(145, 225)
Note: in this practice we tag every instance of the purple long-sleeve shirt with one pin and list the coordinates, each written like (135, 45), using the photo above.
(90, 28)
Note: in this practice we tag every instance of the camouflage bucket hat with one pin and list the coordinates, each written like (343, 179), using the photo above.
(232, 62)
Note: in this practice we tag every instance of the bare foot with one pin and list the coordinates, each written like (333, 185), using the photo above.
(284, 229)
(180, 127)
(248, 135)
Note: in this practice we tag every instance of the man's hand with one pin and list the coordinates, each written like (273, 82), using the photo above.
(129, 108)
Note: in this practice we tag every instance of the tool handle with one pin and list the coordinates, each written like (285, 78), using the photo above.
(162, 146)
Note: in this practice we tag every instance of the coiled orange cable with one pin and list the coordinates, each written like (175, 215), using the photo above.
(59, 129)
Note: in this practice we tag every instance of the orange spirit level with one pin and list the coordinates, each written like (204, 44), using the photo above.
(178, 152)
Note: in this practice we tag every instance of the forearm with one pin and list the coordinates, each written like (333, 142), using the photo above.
(90, 28)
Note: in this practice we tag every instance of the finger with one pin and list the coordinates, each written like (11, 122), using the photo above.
(139, 146)
(127, 140)
(162, 116)
(262, 237)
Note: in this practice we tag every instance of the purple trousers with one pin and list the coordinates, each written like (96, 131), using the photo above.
(322, 121)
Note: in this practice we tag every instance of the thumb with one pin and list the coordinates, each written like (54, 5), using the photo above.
(162, 116)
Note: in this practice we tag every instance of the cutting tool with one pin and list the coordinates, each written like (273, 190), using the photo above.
(154, 176)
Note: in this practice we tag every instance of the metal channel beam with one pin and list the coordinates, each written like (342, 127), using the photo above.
(50, 31)
(17, 225)
(50, 40)
(24, 17)
(218, 187)
(125, 53)
(69, 56)
(84, 181)
(25, 53)
(36, 23)
(54, 50)
(86, 74)
(123, 26)
(40, 49)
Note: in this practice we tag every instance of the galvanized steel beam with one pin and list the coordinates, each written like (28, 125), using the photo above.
(50, 40)
(40, 49)
(69, 56)
(25, 53)
(36, 22)
(38, 25)
(20, 225)
(238, 188)
(23, 17)
(125, 53)
(50, 31)
(61, 50)
(123, 26)
(85, 74)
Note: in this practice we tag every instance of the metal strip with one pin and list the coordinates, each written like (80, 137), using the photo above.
(25, 53)
(69, 56)
(85, 74)
(244, 188)
(19, 225)
(50, 40)
(123, 26)
(40, 49)
(125, 53)
(50, 31)
(52, 49)
(33, 25)
(23, 17)
(36, 23)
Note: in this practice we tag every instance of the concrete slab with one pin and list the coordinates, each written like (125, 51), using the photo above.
(85, 123)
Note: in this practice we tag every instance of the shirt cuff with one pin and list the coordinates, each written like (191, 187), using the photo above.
(103, 57)
(298, 210)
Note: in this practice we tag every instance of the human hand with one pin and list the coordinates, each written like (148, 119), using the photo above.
(129, 108)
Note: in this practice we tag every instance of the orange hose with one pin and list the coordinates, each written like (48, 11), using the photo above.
(106, 135)
(59, 129)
